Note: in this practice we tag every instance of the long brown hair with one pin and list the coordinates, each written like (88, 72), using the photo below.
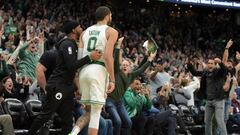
(4, 80)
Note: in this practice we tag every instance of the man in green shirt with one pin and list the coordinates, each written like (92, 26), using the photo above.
(124, 76)
(135, 102)
(29, 56)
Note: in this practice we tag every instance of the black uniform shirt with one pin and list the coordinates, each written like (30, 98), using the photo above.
(67, 63)
(48, 60)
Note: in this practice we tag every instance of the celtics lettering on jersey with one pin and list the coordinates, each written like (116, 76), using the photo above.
(92, 41)
(94, 38)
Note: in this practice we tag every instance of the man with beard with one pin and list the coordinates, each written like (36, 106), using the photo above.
(212, 89)
(94, 78)
(231, 71)
(231, 74)
(227, 62)
(60, 86)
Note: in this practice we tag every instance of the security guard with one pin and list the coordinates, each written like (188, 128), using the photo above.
(60, 87)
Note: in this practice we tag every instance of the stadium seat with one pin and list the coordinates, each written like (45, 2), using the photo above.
(174, 108)
(187, 115)
(17, 110)
(33, 108)
(184, 108)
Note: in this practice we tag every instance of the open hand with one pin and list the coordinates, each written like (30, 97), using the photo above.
(229, 43)
(152, 56)
(119, 44)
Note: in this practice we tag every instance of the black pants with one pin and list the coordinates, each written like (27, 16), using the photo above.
(139, 123)
(166, 118)
(59, 99)
(143, 125)
(150, 125)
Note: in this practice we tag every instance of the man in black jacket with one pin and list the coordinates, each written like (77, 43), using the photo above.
(60, 86)
(211, 89)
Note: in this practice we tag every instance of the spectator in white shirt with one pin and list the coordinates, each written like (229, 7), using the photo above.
(159, 77)
(191, 86)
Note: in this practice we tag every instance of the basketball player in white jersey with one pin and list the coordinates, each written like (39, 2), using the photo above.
(96, 79)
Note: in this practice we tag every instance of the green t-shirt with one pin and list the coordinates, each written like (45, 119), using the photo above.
(28, 62)
(122, 82)
(135, 103)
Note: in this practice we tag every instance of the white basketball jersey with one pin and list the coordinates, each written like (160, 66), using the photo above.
(94, 38)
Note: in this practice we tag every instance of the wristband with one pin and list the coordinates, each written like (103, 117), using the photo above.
(226, 48)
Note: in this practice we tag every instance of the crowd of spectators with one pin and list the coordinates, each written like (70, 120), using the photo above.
(30, 27)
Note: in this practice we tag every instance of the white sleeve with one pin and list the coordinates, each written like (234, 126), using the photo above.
(41, 49)
(194, 85)
(80, 53)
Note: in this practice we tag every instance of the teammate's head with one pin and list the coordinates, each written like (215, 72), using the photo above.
(103, 13)
(72, 27)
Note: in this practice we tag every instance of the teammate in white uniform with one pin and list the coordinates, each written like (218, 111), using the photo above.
(96, 79)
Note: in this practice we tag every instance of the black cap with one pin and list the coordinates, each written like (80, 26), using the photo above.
(69, 26)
